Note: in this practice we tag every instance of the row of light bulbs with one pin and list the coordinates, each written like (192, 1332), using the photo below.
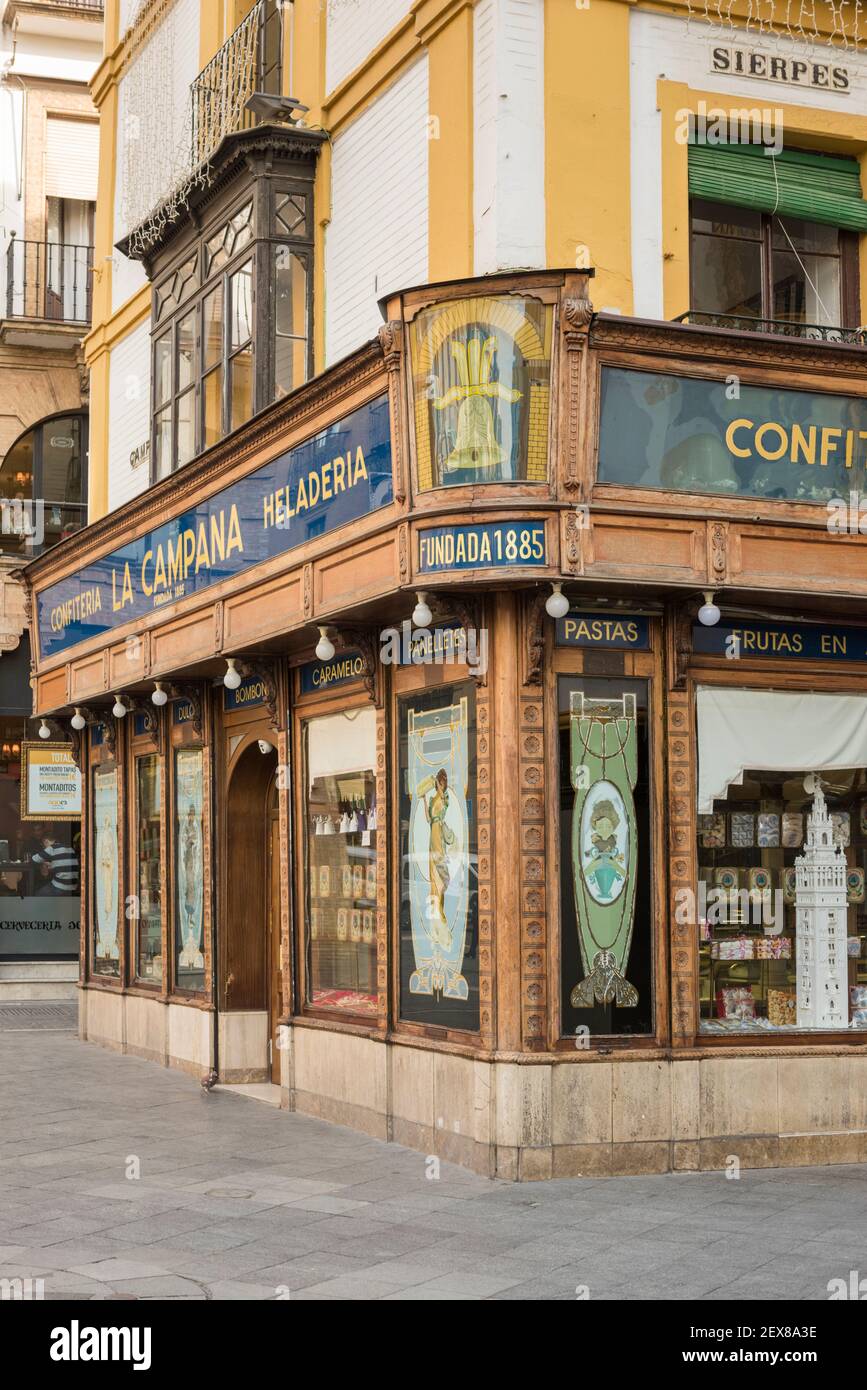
(556, 606)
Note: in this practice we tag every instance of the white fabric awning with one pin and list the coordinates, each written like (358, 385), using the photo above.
(340, 743)
(774, 731)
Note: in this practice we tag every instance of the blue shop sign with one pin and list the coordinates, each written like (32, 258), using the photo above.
(183, 711)
(341, 474)
(492, 545)
(783, 641)
(629, 631)
(322, 675)
(250, 692)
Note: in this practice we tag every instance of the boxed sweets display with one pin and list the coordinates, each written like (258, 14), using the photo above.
(782, 1007)
(774, 948)
(735, 1001)
(734, 948)
(858, 1005)
(713, 831)
(768, 834)
(793, 829)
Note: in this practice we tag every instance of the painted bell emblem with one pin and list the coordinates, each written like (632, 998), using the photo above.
(476, 446)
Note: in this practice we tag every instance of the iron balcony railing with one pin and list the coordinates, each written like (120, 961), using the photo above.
(785, 328)
(249, 61)
(48, 280)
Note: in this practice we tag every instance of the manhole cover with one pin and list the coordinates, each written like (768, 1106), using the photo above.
(60, 1016)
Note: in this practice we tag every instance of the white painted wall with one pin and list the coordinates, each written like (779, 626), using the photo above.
(354, 28)
(665, 46)
(128, 414)
(377, 239)
(153, 132)
(508, 135)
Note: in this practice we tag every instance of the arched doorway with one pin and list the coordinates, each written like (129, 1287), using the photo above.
(249, 974)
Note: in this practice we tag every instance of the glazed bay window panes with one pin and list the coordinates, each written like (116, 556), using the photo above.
(439, 877)
(290, 320)
(781, 904)
(606, 864)
(148, 863)
(240, 345)
(481, 384)
(342, 844)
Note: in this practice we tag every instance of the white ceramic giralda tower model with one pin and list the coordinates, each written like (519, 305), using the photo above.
(820, 915)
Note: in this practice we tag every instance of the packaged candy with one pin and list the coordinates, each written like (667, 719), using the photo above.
(774, 948)
(858, 996)
(735, 1001)
(853, 947)
(734, 948)
(782, 1007)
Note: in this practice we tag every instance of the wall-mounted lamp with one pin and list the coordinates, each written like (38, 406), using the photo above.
(709, 614)
(78, 720)
(232, 678)
(118, 709)
(325, 646)
(44, 731)
(159, 697)
(556, 604)
(265, 747)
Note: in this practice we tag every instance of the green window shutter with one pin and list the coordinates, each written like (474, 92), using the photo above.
(817, 187)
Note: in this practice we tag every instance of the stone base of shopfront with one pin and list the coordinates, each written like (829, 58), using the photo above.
(25, 981)
(524, 1120)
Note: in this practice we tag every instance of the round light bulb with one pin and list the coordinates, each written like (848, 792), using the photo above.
(78, 720)
(118, 709)
(44, 731)
(159, 697)
(421, 614)
(709, 614)
(556, 604)
(325, 646)
(232, 678)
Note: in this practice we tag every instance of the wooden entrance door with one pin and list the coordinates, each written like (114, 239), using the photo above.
(275, 973)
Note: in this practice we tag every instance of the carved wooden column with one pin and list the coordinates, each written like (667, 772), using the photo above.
(391, 342)
(575, 318)
(681, 774)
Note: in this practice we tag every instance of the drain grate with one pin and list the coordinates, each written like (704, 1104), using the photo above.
(57, 1017)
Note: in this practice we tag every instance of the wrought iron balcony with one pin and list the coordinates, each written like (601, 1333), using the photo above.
(48, 280)
(250, 61)
(786, 328)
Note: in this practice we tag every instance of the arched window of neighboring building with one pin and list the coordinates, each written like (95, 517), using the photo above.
(43, 484)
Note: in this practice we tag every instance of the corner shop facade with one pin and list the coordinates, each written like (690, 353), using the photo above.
(361, 878)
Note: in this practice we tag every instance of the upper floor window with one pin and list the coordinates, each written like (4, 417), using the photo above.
(774, 239)
(232, 318)
(43, 485)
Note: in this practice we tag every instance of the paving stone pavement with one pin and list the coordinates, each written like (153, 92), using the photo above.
(237, 1200)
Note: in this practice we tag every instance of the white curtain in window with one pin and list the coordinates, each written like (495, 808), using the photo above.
(340, 743)
(774, 731)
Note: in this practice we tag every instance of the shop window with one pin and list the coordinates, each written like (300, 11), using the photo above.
(482, 387)
(439, 879)
(106, 887)
(233, 327)
(148, 866)
(748, 265)
(341, 846)
(780, 909)
(606, 905)
(189, 869)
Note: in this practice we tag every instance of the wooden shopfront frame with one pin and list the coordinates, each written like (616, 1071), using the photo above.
(594, 664)
(350, 695)
(757, 674)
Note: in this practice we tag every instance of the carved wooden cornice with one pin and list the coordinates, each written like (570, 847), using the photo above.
(264, 668)
(534, 628)
(189, 690)
(577, 315)
(468, 612)
(678, 629)
(363, 640)
(682, 341)
(150, 717)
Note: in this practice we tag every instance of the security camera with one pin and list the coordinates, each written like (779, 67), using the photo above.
(265, 747)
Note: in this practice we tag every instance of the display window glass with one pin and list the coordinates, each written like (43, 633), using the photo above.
(482, 389)
(342, 843)
(106, 873)
(781, 903)
(606, 902)
(439, 877)
(189, 869)
(148, 864)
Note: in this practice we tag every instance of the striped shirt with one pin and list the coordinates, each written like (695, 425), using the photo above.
(63, 862)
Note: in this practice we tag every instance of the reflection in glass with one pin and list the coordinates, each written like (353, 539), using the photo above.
(189, 869)
(106, 873)
(341, 844)
(290, 320)
(147, 868)
(213, 395)
(241, 368)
